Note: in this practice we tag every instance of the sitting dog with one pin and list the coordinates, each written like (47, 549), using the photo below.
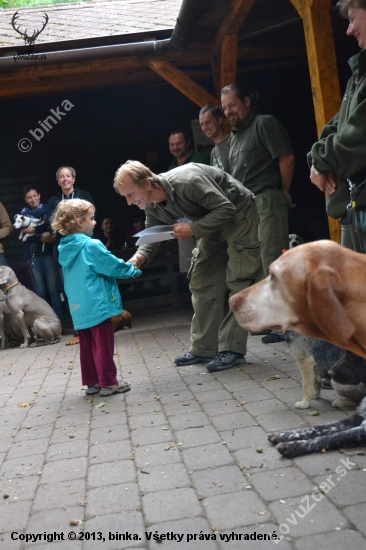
(9, 328)
(321, 360)
(30, 311)
(317, 289)
(23, 222)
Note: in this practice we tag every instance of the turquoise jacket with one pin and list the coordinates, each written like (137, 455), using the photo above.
(90, 273)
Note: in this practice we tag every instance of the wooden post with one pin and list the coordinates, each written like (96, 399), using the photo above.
(323, 69)
(225, 47)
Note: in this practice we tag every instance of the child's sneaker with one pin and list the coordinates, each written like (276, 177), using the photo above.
(121, 387)
(92, 390)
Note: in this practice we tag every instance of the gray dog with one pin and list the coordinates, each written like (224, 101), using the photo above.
(315, 358)
(9, 329)
(31, 312)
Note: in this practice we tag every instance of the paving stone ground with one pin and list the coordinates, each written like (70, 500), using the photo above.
(184, 453)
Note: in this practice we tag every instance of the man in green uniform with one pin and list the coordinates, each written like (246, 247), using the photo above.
(179, 146)
(260, 156)
(211, 119)
(340, 153)
(225, 219)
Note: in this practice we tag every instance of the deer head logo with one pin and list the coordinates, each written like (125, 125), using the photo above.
(29, 40)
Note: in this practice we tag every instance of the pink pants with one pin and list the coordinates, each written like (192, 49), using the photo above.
(96, 355)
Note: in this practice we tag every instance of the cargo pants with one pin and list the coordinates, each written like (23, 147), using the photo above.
(229, 258)
(273, 226)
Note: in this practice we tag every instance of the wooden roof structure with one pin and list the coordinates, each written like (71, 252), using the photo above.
(217, 38)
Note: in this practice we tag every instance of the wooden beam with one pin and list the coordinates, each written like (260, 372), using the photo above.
(323, 69)
(229, 59)
(193, 56)
(196, 55)
(183, 83)
(238, 12)
(56, 84)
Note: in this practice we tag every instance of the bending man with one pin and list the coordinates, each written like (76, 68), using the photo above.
(225, 220)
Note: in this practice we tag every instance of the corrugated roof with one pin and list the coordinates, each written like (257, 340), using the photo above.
(90, 20)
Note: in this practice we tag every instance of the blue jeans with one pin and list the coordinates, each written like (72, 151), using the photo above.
(3, 260)
(46, 280)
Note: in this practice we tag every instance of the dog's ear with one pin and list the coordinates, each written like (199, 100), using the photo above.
(324, 301)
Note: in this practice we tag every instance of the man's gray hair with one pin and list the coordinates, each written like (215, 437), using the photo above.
(138, 173)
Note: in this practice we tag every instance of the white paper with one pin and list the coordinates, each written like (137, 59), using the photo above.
(155, 234)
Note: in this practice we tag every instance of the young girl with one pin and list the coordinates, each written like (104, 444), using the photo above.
(89, 273)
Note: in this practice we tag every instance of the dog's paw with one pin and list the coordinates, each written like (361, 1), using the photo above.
(24, 345)
(341, 403)
(290, 449)
(302, 404)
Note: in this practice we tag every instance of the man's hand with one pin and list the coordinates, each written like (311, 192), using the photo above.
(323, 182)
(182, 231)
(29, 231)
(290, 204)
(137, 260)
(330, 184)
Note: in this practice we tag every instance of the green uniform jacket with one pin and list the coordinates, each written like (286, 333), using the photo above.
(194, 156)
(204, 194)
(255, 147)
(341, 149)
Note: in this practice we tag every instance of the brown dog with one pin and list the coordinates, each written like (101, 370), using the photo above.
(122, 321)
(119, 322)
(317, 289)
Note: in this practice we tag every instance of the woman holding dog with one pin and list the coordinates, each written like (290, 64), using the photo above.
(39, 252)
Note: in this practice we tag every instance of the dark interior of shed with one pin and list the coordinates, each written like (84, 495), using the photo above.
(107, 126)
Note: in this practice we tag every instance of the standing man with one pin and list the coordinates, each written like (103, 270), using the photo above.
(5, 230)
(261, 157)
(340, 153)
(211, 123)
(179, 146)
(224, 219)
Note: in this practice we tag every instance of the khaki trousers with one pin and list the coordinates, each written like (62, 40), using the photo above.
(229, 258)
(273, 226)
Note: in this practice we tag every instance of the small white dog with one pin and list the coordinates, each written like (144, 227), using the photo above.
(295, 240)
(25, 221)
